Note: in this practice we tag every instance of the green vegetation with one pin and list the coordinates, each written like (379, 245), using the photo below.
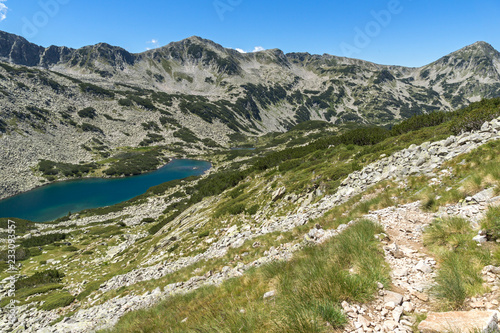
(57, 300)
(54, 85)
(311, 125)
(210, 143)
(38, 112)
(155, 190)
(231, 208)
(39, 279)
(463, 120)
(3, 126)
(86, 127)
(143, 102)
(459, 275)
(311, 286)
(366, 144)
(151, 138)
(92, 286)
(165, 220)
(108, 117)
(224, 65)
(151, 126)
(204, 234)
(16, 70)
(253, 210)
(473, 116)
(21, 226)
(23, 294)
(70, 249)
(50, 168)
(179, 77)
(89, 112)
(491, 223)
(125, 102)
(20, 254)
(106, 231)
(186, 135)
(43, 240)
(96, 90)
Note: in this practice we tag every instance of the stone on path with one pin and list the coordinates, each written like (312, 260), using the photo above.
(391, 296)
(460, 321)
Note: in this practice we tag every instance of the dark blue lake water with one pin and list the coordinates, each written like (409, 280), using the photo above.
(55, 200)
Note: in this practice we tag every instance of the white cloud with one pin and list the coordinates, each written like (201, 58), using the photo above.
(255, 49)
(152, 41)
(3, 10)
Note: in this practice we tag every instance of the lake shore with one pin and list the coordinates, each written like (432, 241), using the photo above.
(92, 192)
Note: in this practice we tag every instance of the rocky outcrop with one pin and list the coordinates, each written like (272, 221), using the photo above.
(460, 321)
(17, 50)
(422, 159)
(257, 93)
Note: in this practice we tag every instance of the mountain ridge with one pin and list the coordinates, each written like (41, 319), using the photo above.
(14, 39)
(195, 92)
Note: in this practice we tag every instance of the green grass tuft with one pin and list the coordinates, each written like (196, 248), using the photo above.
(57, 300)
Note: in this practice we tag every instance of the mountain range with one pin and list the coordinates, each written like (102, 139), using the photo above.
(80, 105)
(327, 224)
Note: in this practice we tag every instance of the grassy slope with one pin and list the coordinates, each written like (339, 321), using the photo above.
(300, 169)
(309, 289)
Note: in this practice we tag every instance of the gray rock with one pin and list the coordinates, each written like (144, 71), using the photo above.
(484, 195)
(474, 321)
(394, 297)
(269, 294)
(480, 238)
(423, 267)
(278, 193)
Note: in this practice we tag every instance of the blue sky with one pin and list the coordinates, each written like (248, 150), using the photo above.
(397, 32)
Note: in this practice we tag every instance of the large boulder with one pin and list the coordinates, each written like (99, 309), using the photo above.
(460, 321)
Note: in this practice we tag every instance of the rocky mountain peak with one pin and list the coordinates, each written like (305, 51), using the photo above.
(482, 46)
(17, 50)
(476, 64)
(478, 51)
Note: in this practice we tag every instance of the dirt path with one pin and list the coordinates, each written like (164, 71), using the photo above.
(412, 272)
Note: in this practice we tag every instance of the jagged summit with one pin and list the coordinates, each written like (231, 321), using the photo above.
(481, 45)
(302, 86)
(478, 62)
(17, 50)
(478, 49)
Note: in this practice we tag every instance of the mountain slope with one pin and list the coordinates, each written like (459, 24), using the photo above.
(195, 95)
(275, 235)
(318, 87)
